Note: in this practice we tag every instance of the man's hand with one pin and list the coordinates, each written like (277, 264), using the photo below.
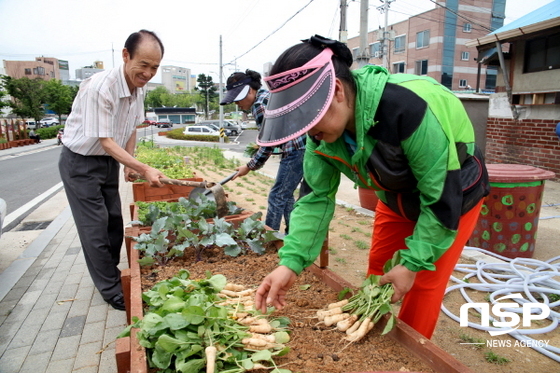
(241, 171)
(153, 175)
(274, 288)
(402, 279)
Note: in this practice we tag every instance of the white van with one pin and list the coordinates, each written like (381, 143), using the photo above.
(200, 130)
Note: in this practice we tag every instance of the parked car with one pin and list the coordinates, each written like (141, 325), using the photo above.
(200, 130)
(150, 122)
(216, 128)
(3, 213)
(164, 123)
(32, 125)
(47, 122)
(232, 126)
(233, 129)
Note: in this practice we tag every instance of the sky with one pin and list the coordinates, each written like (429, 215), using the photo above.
(252, 32)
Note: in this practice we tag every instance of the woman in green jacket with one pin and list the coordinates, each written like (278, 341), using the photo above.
(405, 136)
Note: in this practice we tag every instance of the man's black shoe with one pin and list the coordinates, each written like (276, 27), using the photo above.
(117, 302)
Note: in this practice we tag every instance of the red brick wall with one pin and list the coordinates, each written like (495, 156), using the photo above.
(529, 141)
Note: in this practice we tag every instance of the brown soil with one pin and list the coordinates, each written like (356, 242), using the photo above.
(318, 349)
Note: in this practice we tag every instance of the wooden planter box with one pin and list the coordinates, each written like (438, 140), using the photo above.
(144, 192)
(131, 357)
(5, 145)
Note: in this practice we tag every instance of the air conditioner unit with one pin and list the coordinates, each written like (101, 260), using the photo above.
(377, 54)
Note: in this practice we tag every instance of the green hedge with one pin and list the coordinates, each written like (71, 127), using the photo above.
(178, 134)
(48, 132)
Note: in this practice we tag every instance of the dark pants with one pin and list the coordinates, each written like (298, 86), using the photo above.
(281, 197)
(91, 184)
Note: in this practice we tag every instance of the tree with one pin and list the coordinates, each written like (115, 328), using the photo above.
(58, 97)
(158, 97)
(207, 91)
(27, 96)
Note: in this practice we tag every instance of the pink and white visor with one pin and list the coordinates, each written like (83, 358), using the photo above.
(299, 98)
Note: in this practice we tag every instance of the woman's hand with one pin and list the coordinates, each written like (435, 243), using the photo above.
(274, 288)
(241, 171)
(402, 279)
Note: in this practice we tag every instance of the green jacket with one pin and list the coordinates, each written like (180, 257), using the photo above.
(415, 147)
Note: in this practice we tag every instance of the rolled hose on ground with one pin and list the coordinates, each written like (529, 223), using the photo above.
(519, 275)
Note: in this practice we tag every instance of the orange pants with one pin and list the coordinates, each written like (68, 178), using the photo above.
(421, 305)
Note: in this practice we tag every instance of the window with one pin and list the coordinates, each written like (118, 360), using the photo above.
(464, 56)
(355, 52)
(375, 50)
(463, 83)
(467, 27)
(398, 68)
(194, 129)
(27, 71)
(400, 44)
(421, 67)
(542, 54)
(423, 39)
(39, 70)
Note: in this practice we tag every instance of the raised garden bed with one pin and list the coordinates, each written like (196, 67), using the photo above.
(144, 192)
(313, 348)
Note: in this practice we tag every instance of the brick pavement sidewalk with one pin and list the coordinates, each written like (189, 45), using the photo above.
(52, 319)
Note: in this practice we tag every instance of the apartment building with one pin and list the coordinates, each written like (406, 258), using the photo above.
(45, 68)
(176, 79)
(433, 43)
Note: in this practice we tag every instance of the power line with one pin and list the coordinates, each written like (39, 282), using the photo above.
(273, 32)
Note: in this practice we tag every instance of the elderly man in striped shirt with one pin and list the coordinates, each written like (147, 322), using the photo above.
(99, 134)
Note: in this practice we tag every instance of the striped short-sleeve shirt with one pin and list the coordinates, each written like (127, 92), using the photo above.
(104, 107)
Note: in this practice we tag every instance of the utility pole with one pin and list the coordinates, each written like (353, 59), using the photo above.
(343, 31)
(385, 39)
(363, 57)
(220, 91)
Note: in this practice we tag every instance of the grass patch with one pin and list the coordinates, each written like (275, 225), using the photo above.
(494, 358)
(480, 343)
(362, 245)
(340, 260)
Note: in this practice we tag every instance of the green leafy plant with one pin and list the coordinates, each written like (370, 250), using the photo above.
(171, 236)
(188, 326)
(494, 358)
(184, 209)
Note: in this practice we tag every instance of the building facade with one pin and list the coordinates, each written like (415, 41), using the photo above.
(525, 109)
(176, 79)
(45, 68)
(433, 43)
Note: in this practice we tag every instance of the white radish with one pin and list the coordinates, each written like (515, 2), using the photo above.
(321, 314)
(353, 328)
(338, 304)
(331, 320)
(210, 352)
(361, 332)
(344, 325)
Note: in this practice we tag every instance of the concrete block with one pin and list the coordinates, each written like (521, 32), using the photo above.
(60, 366)
(79, 307)
(73, 326)
(25, 336)
(66, 348)
(93, 332)
(45, 342)
(13, 359)
(36, 363)
(88, 355)
(54, 321)
(97, 313)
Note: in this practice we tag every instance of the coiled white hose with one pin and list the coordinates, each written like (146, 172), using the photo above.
(520, 275)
